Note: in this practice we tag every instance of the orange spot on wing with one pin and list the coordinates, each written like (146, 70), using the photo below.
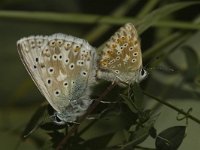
(103, 63)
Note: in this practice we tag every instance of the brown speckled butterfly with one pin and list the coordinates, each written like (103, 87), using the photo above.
(121, 58)
(63, 67)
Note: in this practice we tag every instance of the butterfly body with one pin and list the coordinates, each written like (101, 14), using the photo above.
(121, 58)
(63, 67)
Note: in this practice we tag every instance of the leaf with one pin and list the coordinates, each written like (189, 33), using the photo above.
(128, 102)
(171, 138)
(153, 132)
(134, 99)
(138, 95)
(192, 62)
(99, 142)
(154, 16)
(35, 121)
(141, 134)
(49, 126)
(56, 137)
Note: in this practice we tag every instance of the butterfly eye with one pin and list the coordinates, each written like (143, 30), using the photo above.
(143, 72)
(57, 118)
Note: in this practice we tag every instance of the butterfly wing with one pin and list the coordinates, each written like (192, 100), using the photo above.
(61, 66)
(121, 57)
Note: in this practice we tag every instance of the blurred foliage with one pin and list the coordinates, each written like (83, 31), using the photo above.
(169, 32)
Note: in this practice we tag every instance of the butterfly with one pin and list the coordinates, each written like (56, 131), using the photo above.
(63, 67)
(121, 57)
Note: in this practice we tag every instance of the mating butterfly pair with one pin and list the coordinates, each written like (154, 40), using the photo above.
(64, 67)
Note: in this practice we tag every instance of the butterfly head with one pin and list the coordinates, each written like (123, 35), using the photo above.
(142, 74)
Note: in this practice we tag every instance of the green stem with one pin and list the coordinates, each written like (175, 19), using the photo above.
(157, 47)
(147, 8)
(177, 24)
(90, 109)
(89, 19)
(173, 107)
(144, 148)
(100, 29)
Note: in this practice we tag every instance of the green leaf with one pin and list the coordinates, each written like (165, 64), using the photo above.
(138, 95)
(35, 121)
(56, 137)
(153, 132)
(140, 134)
(134, 99)
(154, 16)
(191, 57)
(171, 138)
(192, 62)
(99, 142)
(129, 103)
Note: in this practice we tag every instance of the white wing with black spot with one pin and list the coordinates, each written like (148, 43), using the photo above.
(62, 66)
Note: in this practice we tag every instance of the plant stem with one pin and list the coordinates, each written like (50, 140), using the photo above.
(144, 148)
(100, 29)
(158, 46)
(89, 19)
(173, 107)
(177, 24)
(147, 8)
(93, 106)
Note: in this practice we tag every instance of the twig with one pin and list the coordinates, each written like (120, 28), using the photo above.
(173, 107)
(144, 148)
(91, 108)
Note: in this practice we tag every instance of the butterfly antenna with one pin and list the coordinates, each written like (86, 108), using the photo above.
(162, 68)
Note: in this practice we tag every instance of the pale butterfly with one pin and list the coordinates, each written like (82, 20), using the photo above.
(121, 57)
(63, 67)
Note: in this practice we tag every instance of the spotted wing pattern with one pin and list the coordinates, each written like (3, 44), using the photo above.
(121, 58)
(63, 68)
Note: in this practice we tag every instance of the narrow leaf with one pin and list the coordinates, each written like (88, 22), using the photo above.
(154, 16)
(192, 62)
(35, 121)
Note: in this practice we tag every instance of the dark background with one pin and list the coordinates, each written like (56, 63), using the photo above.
(19, 97)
